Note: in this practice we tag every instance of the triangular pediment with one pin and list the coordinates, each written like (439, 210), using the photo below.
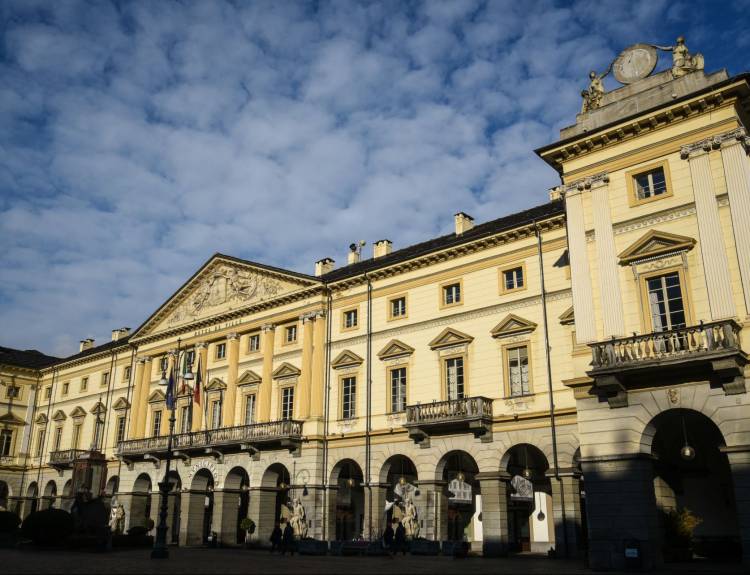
(345, 359)
(249, 378)
(449, 337)
(121, 404)
(395, 348)
(221, 285)
(78, 412)
(99, 408)
(157, 396)
(567, 317)
(41, 419)
(286, 370)
(512, 325)
(216, 384)
(59, 415)
(11, 419)
(655, 243)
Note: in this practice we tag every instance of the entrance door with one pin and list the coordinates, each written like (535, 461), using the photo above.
(518, 527)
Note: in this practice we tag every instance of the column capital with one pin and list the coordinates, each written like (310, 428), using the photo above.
(144, 359)
(201, 345)
(233, 336)
(267, 327)
(735, 137)
(577, 186)
(319, 314)
(723, 140)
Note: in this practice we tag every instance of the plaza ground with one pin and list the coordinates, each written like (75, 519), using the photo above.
(195, 560)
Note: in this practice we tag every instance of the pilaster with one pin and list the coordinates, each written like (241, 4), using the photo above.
(303, 405)
(198, 406)
(494, 488)
(318, 366)
(264, 393)
(137, 393)
(566, 512)
(143, 401)
(230, 396)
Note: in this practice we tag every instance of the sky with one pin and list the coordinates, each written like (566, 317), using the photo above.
(139, 138)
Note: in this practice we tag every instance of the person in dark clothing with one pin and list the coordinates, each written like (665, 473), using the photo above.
(288, 540)
(400, 539)
(388, 539)
(276, 538)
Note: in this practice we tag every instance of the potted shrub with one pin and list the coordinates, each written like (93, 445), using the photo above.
(679, 526)
(248, 525)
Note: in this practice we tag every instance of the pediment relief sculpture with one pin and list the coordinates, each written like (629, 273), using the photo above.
(513, 325)
(286, 370)
(346, 359)
(395, 348)
(249, 377)
(449, 337)
(655, 244)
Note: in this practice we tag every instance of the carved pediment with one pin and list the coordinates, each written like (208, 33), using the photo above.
(654, 244)
(121, 404)
(449, 337)
(395, 348)
(11, 419)
(78, 412)
(249, 378)
(216, 384)
(41, 419)
(567, 317)
(59, 415)
(157, 396)
(223, 284)
(286, 370)
(99, 408)
(346, 359)
(513, 325)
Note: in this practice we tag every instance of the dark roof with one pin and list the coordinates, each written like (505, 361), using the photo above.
(490, 228)
(98, 349)
(28, 358)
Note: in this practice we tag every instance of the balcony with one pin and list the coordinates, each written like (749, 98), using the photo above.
(285, 434)
(64, 459)
(469, 414)
(708, 351)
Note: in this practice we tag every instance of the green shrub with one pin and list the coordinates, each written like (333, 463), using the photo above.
(679, 526)
(9, 521)
(48, 527)
(248, 525)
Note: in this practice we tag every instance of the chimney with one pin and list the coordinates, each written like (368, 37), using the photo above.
(87, 343)
(324, 266)
(353, 256)
(464, 222)
(382, 248)
(119, 333)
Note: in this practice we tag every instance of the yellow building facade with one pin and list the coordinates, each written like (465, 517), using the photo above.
(518, 384)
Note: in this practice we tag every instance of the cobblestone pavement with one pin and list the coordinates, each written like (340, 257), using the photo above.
(252, 562)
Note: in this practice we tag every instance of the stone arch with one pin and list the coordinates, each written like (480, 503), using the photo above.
(460, 513)
(50, 494)
(397, 463)
(539, 439)
(113, 485)
(198, 507)
(346, 513)
(32, 494)
(67, 495)
(233, 503)
(142, 504)
(270, 506)
(432, 465)
(5, 495)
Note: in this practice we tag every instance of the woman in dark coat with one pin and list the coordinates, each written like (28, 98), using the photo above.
(288, 540)
(400, 538)
(275, 538)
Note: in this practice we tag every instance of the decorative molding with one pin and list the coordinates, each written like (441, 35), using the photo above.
(567, 317)
(346, 358)
(98, 408)
(655, 244)
(266, 327)
(41, 419)
(59, 416)
(395, 348)
(232, 336)
(450, 337)
(249, 377)
(78, 412)
(586, 183)
(216, 384)
(736, 136)
(121, 404)
(512, 325)
(156, 396)
(286, 370)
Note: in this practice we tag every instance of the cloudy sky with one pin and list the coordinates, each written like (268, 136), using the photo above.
(138, 138)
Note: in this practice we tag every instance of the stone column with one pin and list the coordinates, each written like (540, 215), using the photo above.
(580, 272)
(224, 520)
(305, 378)
(136, 400)
(739, 462)
(734, 151)
(230, 395)
(330, 502)
(609, 280)
(198, 406)
(142, 406)
(261, 511)
(318, 366)
(264, 393)
(26, 437)
(566, 512)
(620, 505)
(494, 488)
(713, 250)
(374, 511)
(432, 507)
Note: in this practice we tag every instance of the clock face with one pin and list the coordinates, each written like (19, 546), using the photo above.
(634, 63)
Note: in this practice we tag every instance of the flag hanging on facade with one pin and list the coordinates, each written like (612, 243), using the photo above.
(170, 390)
(197, 387)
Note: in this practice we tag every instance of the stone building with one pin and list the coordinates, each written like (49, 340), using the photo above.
(471, 385)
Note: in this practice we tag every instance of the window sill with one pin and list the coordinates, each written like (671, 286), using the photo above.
(522, 396)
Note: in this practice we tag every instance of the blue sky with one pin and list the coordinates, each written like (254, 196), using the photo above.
(138, 138)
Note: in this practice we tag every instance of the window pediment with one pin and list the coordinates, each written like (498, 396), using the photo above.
(59, 415)
(121, 404)
(78, 412)
(395, 348)
(249, 377)
(567, 317)
(41, 419)
(449, 337)
(99, 408)
(156, 396)
(346, 359)
(11, 419)
(513, 325)
(286, 370)
(216, 384)
(655, 244)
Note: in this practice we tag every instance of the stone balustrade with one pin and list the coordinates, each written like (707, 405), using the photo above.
(473, 414)
(65, 458)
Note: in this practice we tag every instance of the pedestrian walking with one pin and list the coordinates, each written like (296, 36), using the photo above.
(287, 541)
(388, 535)
(276, 538)
(400, 539)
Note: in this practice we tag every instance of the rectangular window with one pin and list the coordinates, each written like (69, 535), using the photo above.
(65, 388)
(6, 442)
(120, 437)
(650, 184)
(105, 379)
(76, 439)
(253, 342)
(513, 279)
(58, 439)
(163, 363)
(665, 302)
(184, 419)
(13, 392)
(188, 361)
(350, 319)
(290, 334)
(452, 294)
(348, 397)
(156, 423)
(98, 433)
(216, 414)
(250, 409)
(518, 370)
(287, 403)
(84, 384)
(221, 350)
(126, 373)
(398, 389)
(454, 377)
(39, 442)
(398, 307)
(48, 392)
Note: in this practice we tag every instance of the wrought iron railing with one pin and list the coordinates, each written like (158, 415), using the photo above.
(65, 456)
(682, 343)
(452, 410)
(256, 432)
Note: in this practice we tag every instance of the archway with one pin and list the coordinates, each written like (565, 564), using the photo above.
(32, 493)
(463, 497)
(200, 508)
(400, 477)
(174, 507)
(235, 504)
(110, 490)
(50, 495)
(530, 522)
(140, 503)
(4, 496)
(67, 496)
(691, 473)
(349, 513)
(273, 499)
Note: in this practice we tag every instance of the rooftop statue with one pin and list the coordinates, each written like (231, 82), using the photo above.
(683, 62)
(592, 97)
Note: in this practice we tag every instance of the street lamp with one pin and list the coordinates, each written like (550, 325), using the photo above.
(160, 550)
